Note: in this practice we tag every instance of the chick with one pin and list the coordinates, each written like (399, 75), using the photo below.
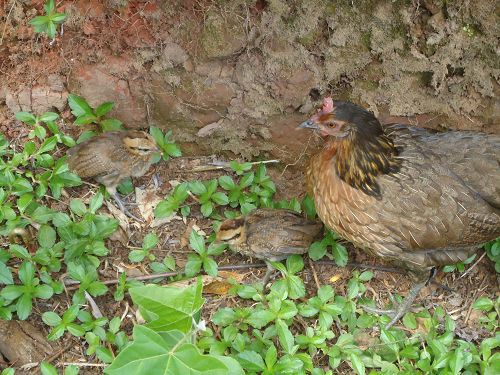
(113, 156)
(269, 234)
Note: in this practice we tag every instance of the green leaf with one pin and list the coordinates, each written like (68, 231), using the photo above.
(251, 361)
(47, 369)
(104, 108)
(409, 321)
(285, 337)
(317, 250)
(366, 276)
(163, 354)
(46, 236)
(150, 241)
(260, 318)
(207, 209)
(21, 186)
(193, 265)
(340, 255)
(210, 266)
(49, 116)
(42, 215)
(5, 275)
(483, 304)
(79, 106)
(357, 364)
(197, 187)
(226, 182)
(51, 318)
(111, 124)
(48, 145)
(168, 308)
(39, 21)
(96, 202)
(294, 263)
(136, 256)
(78, 207)
(197, 242)
(26, 117)
(220, 198)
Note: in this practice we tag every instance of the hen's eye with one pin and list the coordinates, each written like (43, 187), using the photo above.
(331, 125)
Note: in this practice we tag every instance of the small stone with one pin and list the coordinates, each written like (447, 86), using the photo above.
(209, 129)
(174, 54)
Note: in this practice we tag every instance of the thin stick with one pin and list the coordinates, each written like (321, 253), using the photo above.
(7, 21)
(82, 364)
(73, 285)
(474, 265)
(225, 165)
(476, 292)
(315, 275)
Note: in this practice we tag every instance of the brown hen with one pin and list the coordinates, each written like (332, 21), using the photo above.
(417, 198)
(113, 156)
(269, 234)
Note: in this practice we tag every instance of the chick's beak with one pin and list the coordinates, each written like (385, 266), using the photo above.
(308, 124)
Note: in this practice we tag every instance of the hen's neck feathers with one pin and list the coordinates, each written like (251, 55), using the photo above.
(360, 158)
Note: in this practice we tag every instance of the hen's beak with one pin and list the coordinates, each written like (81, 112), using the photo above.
(308, 124)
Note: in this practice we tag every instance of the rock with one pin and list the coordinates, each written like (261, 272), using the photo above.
(44, 99)
(209, 129)
(98, 84)
(55, 82)
(22, 343)
(173, 55)
(294, 90)
(222, 36)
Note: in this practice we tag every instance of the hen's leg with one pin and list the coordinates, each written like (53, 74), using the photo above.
(268, 274)
(399, 310)
(122, 207)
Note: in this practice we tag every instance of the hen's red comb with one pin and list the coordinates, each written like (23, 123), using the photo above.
(327, 105)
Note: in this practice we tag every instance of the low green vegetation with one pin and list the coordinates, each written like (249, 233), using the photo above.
(47, 24)
(287, 328)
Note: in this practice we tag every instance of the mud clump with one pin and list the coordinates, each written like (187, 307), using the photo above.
(236, 76)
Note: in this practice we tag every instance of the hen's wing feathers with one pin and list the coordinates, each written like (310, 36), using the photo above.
(471, 156)
(437, 208)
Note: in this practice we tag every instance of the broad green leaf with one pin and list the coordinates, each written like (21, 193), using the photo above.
(49, 116)
(5, 275)
(111, 124)
(48, 145)
(79, 106)
(226, 182)
(46, 236)
(251, 361)
(150, 241)
(51, 318)
(104, 108)
(47, 369)
(167, 308)
(483, 304)
(357, 364)
(285, 337)
(197, 242)
(317, 250)
(157, 354)
(26, 117)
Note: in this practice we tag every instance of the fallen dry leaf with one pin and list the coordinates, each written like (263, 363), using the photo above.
(146, 202)
(119, 215)
(335, 278)
(220, 288)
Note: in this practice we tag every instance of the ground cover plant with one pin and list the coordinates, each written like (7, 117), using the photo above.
(58, 236)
